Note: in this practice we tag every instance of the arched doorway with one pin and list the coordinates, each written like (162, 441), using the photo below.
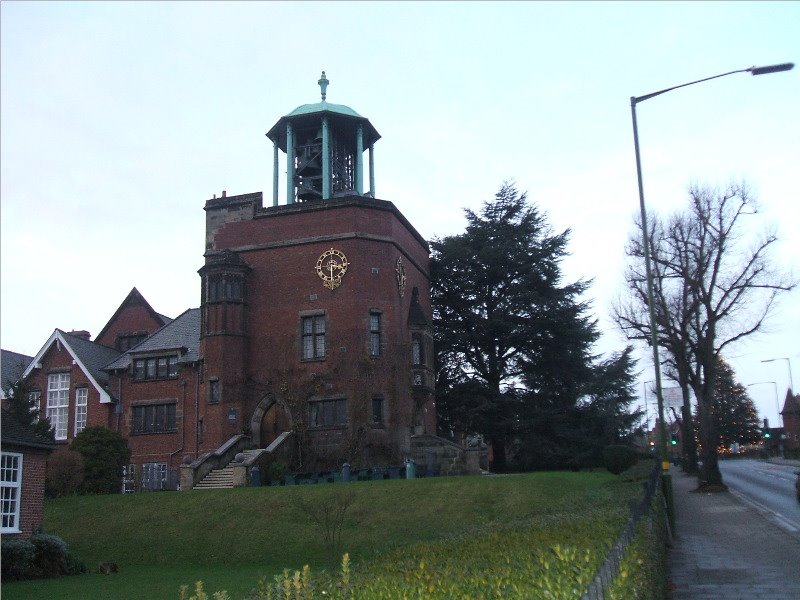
(270, 418)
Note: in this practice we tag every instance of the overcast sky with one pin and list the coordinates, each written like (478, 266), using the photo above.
(119, 120)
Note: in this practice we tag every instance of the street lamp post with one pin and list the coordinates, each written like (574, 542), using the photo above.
(649, 273)
(646, 414)
(789, 365)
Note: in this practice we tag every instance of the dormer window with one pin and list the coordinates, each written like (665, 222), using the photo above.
(128, 341)
(160, 367)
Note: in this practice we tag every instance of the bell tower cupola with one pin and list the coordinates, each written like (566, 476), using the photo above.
(324, 145)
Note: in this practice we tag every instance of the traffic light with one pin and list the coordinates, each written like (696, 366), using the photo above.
(674, 439)
(767, 434)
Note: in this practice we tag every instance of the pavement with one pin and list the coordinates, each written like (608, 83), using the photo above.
(725, 549)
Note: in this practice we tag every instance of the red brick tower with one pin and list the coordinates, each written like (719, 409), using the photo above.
(316, 313)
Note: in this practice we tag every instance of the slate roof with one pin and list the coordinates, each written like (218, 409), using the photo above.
(93, 356)
(182, 333)
(14, 433)
(12, 366)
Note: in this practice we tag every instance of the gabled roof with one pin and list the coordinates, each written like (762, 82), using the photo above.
(182, 334)
(14, 433)
(89, 356)
(12, 366)
(134, 298)
(792, 403)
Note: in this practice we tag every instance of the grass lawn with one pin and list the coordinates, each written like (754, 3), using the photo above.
(139, 583)
(228, 538)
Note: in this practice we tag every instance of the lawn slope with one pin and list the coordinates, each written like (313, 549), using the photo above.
(228, 535)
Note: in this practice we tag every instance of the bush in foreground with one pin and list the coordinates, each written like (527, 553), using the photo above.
(40, 556)
(618, 458)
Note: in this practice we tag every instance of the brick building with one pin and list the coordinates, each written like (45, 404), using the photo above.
(23, 463)
(791, 422)
(312, 338)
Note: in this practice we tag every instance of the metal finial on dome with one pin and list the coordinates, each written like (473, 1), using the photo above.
(323, 84)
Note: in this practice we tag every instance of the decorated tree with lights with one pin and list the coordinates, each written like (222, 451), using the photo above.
(734, 412)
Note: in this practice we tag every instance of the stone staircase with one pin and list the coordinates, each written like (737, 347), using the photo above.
(443, 457)
(222, 479)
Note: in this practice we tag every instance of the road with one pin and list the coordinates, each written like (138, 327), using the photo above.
(769, 487)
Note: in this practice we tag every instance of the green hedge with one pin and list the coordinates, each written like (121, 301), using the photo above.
(552, 557)
(643, 572)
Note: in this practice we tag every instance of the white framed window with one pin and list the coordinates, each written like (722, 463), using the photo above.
(58, 403)
(154, 476)
(10, 491)
(129, 479)
(81, 401)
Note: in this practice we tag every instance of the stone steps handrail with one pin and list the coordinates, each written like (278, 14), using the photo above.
(195, 471)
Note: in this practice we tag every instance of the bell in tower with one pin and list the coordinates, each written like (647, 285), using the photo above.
(324, 145)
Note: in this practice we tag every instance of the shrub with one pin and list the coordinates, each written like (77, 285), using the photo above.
(64, 474)
(41, 555)
(277, 470)
(641, 471)
(104, 453)
(200, 593)
(75, 566)
(17, 558)
(51, 555)
(618, 458)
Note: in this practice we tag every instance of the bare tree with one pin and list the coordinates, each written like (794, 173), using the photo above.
(674, 311)
(328, 517)
(712, 290)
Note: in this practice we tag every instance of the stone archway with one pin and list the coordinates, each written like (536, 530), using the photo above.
(270, 415)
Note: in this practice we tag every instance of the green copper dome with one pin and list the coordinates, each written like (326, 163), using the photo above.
(342, 117)
(307, 109)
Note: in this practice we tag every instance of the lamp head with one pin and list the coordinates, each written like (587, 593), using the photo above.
(771, 69)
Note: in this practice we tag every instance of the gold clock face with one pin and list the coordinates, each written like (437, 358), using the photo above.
(331, 267)
(400, 271)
